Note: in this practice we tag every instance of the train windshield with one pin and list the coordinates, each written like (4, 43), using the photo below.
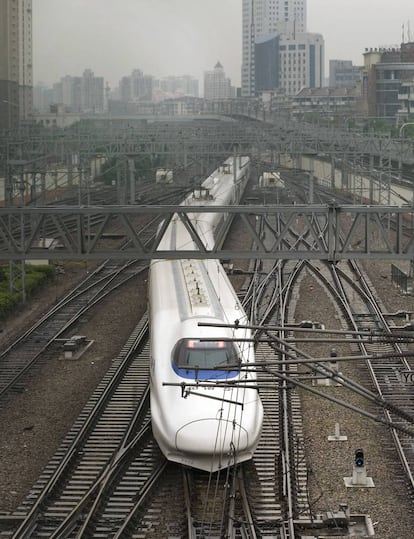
(193, 354)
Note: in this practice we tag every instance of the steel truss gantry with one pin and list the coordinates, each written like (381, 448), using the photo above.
(27, 157)
(198, 138)
(332, 232)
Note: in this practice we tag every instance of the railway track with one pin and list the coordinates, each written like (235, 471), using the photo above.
(101, 481)
(109, 480)
(385, 355)
(280, 495)
(110, 444)
(30, 348)
(22, 354)
(386, 359)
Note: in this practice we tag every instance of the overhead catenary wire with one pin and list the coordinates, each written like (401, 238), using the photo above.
(340, 378)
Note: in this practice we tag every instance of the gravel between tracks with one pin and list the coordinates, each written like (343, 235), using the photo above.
(388, 503)
(34, 422)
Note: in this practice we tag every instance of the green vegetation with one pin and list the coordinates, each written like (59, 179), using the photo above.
(379, 126)
(329, 119)
(364, 124)
(409, 129)
(36, 276)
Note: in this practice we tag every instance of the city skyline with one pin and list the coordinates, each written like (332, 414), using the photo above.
(190, 36)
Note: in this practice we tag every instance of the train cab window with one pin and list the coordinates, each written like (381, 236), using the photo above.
(205, 355)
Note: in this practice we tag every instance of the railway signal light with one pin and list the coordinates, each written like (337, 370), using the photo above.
(359, 476)
(359, 458)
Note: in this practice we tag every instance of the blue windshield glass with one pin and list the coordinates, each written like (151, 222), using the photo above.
(193, 358)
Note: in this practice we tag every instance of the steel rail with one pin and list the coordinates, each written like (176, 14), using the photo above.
(26, 529)
(81, 301)
(407, 466)
(379, 321)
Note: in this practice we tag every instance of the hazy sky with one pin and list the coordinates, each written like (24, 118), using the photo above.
(175, 37)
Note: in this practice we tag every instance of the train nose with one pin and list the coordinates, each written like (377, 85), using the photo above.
(210, 436)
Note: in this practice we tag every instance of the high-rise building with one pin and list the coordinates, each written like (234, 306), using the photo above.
(216, 84)
(92, 92)
(141, 86)
(16, 70)
(301, 62)
(79, 94)
(136, 87)
(43, 98)
(68, 93)
(267, 68)
(125, 89)
(265, 58)
(72, 94)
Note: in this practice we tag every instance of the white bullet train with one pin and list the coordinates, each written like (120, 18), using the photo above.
(207, 426)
